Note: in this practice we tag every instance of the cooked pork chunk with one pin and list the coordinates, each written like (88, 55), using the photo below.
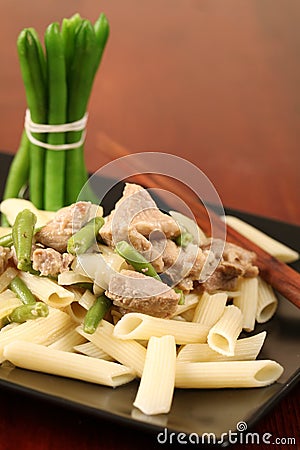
(233, 254)
(232, 263)
(135, 292)
(66, 222)
(50, 262)
(135, 217)
(170, 253)
(224, 278)
(5, 254)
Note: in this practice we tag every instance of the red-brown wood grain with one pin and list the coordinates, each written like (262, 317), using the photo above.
(216, 82)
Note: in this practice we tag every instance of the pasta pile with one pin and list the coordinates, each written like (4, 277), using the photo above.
(200, 346)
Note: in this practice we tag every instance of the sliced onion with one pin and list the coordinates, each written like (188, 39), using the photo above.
(98, 267)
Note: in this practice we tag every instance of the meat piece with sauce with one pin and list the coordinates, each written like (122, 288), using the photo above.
(233, 254)
(135, 217)
(66, 222)
(50, 262)
(231, 263)
(135, 292)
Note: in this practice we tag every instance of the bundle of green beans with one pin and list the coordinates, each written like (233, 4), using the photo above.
(58, 83)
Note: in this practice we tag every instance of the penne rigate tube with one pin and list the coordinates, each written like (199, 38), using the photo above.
(155, 392)
(72, 365)
(223, 335)
(267, 302)
(68, 341)
(270, 245)
(245, 349)
(210, 308)
(247, 301)
(190, 301)
(142, 326)
(130, 353)
(227, 374)
(47, 290)
(43, 330)
(90, 349)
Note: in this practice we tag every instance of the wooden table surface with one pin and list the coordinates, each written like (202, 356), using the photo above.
(215, 82)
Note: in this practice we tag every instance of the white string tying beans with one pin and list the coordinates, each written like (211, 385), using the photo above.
(32, 127)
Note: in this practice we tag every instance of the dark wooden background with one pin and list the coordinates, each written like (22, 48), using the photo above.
(216, 82)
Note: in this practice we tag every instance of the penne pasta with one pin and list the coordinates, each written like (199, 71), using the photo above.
(47, 290)
(87, 300)
(142, 326)
(45, 359)
(76, 312)
(227, 374)
(270, 245)
(76, 292)
(68, 341)
(223, 335)
(155, 392)
(267, 302)
(130, 353)
(188, 315)
(247, 300)
(90, 349)
(245, 349)
(190, 301)
(210, 308)
(44, 330)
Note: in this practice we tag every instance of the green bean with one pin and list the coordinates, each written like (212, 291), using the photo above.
(32, 69)
(41, 54)
(135, 259)
(184, 239)
(22, 234)
(96, 313)
(19, 170)
(7, 240)
(4, 221)
(22, 291)
(101, 28)
(18, 174)
(68, 30)
(81, 76)
(81, 241)
(57, 113)
(27, 312)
